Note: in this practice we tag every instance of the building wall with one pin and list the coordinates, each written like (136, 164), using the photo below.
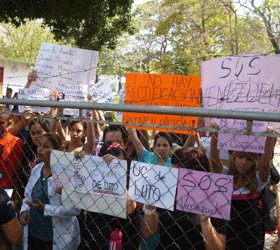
(15, 74)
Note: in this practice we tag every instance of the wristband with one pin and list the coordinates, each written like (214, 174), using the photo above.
(148, 211)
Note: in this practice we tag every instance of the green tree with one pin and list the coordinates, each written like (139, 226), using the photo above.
(92, 24)
(203, 30)
(154, 49)
(119, 61)
(268, 11)
(23, 43)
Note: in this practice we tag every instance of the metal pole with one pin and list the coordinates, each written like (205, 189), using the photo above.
(228, 114)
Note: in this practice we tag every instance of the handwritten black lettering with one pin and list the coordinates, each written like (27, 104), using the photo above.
(147, 191)
(205, 182)
(226, 68)
(187, 181)
(158, 177)
(139, 170)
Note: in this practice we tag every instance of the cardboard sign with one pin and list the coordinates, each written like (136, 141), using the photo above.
(101, 92)
(34, 94)
(119, 114)
(205, 193)
(247, 83)
(90, 179)
(75, 93)
(59, 66)
(162, 90)
(153, 185)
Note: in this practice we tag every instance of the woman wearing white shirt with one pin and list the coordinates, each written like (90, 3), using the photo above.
(51, 225)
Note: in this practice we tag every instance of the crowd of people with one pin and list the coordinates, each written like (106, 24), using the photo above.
(37, 219)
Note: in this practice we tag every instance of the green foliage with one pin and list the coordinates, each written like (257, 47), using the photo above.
(120, 60)
(92, 24)
(200, 30)
(176, 36)
(23, 43)
(268, 12)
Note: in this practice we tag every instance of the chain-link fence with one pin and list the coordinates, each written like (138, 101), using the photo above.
(88, 183)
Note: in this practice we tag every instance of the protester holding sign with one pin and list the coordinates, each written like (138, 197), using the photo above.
(180, 229)
(99, 226)
(78, 139)
(162, 147)
(160, 156)
(51, 225)
(251, 175)
(36, 128)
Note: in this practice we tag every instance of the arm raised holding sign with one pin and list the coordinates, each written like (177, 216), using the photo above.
(116, 151)
(32, 77)
(81, 136)
(99, 224)
(161, 149)
(42, 211)
(250, 175)
(180, 229)
(215, 159)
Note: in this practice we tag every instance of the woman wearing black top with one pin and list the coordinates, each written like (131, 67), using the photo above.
(184, 230)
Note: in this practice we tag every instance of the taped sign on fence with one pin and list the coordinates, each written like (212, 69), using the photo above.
(153, 185)
(89, 183)
(162, 90)
(246, 83)
(205, 193)
(34, 94)
(59, 66)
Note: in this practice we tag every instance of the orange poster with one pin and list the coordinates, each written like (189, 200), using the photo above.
(162, 90)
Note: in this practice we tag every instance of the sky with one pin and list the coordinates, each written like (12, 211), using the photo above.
(136, 2)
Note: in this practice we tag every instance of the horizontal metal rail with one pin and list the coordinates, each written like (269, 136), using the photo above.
(181, 111)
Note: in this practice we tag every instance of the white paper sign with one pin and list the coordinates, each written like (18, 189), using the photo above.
(95, 203)
(75, 93)
(153, 185)
(91, 174)
(101, 92)
(119, 114)
(34, 94)
(59, 66)
(90, 183)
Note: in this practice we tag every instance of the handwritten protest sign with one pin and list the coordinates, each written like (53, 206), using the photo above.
(94, 203)
(91, 179)
(162, 90)
(75, 93)
(101, 92)
(34, 94)
(119, 114)
(153, 185)
(248, 83)
(58, 66)
(205, 193)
